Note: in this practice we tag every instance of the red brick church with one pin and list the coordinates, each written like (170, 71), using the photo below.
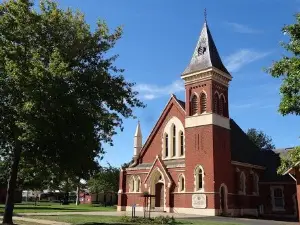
(197, 160)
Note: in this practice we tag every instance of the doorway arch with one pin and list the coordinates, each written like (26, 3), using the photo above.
(223, 199)
(157, 188)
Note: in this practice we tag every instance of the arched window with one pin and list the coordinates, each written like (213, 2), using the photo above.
(216, 103)
(222, 105)
(242, 184)
(203, 103)
(174, 140)
(131, 184)
(166, 145)
(199, 179)
(181, 183)
(255, 183)
(138, 184)
(277, 198)
(194, 105)
(181, 144)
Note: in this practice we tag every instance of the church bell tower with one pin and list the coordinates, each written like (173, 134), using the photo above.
(207, 123)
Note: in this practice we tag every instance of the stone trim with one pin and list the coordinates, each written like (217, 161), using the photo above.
(137, 173)
(247, 165)
(193, 211)
(148, 168)
(207, 119)
(163, 170)
(208, 74)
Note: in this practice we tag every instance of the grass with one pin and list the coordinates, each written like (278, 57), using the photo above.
(115, 220)
(56, 207)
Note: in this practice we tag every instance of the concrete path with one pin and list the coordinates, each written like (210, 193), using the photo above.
(244, 221)
(48, 222)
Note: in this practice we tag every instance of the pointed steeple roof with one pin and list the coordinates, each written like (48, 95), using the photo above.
(138, 132)
(206, 54)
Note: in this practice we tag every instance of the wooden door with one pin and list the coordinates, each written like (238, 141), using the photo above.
(159, 195)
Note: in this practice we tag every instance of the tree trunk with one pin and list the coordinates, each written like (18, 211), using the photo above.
(77, 195)
(11, 187)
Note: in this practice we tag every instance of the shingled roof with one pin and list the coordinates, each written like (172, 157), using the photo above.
(244, 150)
(205, 54)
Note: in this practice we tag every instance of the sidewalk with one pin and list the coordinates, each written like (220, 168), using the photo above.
(48, 222)
(244, 221)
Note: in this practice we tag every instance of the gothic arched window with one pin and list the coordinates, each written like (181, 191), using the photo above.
(174, 140)
(199, 179)
(222, 106)
(138, 184)
(242, 183)
(166, 145)
(203, 103)
(255, 183)
(181, 144)
(216, 103)
(194, 105)
(131, 184)
(181, 183)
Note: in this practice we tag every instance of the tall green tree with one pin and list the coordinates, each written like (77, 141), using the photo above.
(61, 94)
(106, 180)
(288, 69)
(260, 139)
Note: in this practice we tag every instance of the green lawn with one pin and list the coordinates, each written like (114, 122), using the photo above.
(115, 220)
(56, 207)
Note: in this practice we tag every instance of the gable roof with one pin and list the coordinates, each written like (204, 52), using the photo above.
(162, 167)
(205, 54)
(173, 100)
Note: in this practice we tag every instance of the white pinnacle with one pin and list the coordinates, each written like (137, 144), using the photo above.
(137, 140)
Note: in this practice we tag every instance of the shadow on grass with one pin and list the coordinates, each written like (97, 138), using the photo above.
(114, 223)
(44, 208)
(228, 219)
(106, 223)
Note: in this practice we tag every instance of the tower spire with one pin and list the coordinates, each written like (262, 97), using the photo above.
(206, 54)
(137, 140)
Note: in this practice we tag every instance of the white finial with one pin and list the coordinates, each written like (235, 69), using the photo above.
(137, 140)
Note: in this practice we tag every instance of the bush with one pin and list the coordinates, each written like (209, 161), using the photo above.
(155, 220)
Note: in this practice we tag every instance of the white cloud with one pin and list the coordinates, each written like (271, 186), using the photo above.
(253, 106)
(243, 57)
(240, 28)
(242, 106)
(150, 92)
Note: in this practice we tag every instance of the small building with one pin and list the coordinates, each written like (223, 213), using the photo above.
(197, 160)
(107, 198)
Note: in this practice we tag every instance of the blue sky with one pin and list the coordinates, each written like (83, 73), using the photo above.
(158, 42)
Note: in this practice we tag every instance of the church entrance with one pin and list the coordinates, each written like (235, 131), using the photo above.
(223, 199)
(159, 195)
(157, 188)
